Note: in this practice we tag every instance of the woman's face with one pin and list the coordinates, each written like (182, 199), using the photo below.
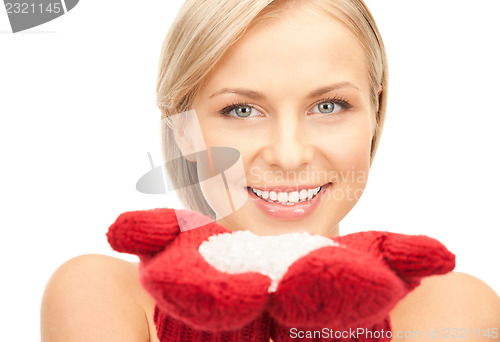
(293, 97)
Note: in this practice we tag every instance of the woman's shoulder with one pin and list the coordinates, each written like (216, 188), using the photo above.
(455, 304)
(96, 297)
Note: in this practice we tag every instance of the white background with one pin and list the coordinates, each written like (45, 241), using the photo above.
(78, 116)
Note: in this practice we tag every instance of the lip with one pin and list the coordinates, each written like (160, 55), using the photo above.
(286, 188)
(288, 213)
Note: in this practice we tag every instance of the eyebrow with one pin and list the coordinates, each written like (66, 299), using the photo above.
(240, 91)
(259, 96)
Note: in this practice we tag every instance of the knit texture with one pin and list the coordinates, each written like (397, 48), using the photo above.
(171, 330)
(352, 285)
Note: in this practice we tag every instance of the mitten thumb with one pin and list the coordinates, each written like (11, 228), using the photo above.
(147, 232)
(416, 256)
(411, 257)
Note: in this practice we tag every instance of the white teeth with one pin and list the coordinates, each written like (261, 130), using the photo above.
(273, 195)
(310, 194)
(287, 198)
(293, 197)
(282, 197)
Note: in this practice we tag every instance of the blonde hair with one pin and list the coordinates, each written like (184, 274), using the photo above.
(199, 37)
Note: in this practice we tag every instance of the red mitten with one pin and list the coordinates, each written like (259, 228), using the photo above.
(171, 330)
(347, 282)
(355, 284)
(194, 301)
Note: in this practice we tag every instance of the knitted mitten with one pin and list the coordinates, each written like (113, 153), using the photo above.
(171, 330)
(350, 282)
(194, 301)
(354, 285)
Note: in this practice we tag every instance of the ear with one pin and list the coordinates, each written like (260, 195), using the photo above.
(379, 105)
(375, 118)
(184, 142)
(187, 134)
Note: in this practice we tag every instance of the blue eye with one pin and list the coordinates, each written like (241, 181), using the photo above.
(331, 106)
(239, 110)
(244, 111)
(327, 107)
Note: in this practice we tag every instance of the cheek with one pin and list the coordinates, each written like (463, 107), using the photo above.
(217, 132)
(222, 174)
(222, 180)
(354, 154)
(245, 141)
(218, 197)
(348, 154)
(353, 172)
(349, 145)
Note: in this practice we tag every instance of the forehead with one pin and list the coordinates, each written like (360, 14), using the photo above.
(294, 47)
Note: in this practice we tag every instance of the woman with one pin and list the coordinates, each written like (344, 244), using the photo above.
(299, 89)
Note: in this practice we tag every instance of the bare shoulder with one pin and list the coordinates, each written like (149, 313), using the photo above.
(457, 305)
(96, 298)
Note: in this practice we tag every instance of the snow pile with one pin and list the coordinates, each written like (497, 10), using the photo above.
(244, 251)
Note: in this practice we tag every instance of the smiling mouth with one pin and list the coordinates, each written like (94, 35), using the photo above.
(287, 198)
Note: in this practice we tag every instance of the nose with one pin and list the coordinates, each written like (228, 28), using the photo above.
(288, 146)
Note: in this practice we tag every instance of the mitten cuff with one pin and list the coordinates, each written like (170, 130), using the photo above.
(171, 330)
